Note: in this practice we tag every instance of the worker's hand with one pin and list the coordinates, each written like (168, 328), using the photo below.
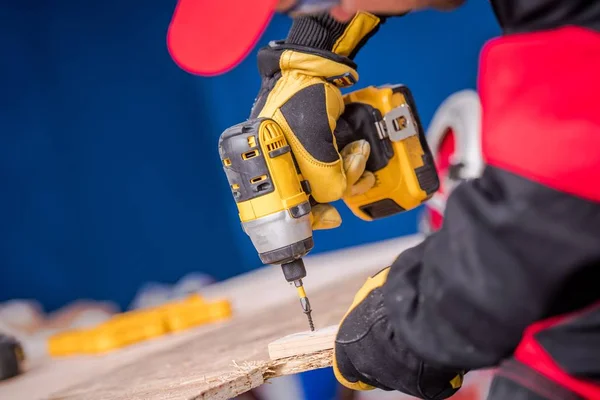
(369, 355)
(301, 92)
(347, 8)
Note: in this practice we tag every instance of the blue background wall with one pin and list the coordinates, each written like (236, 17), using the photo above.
(109, 174)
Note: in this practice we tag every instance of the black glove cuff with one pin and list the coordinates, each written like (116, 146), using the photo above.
(316, 31)
(321, 32)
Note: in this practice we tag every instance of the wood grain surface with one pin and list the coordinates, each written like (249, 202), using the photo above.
(227, 361)
(223, 360)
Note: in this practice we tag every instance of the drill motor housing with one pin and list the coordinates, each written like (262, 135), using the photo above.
(271, 196)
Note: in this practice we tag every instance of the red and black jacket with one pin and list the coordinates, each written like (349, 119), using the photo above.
(513, 276)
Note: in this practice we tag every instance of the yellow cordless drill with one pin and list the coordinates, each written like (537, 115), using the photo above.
(273, 199)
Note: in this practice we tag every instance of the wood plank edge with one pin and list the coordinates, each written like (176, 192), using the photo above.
(297, 364)
(281, 367)
(231, 388)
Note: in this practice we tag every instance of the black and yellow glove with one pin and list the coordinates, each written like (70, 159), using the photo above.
(369, 355)
(301, 81)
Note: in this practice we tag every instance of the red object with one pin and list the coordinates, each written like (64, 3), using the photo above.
(531, 353)
(210, 37)
(443, 165)
(436, 219)
(539, 93)
(445, 153)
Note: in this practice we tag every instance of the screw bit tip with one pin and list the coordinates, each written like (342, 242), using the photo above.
(310, 321)
(308, 311)
(304, 303)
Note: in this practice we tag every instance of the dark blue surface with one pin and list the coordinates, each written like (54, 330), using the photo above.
(319, 384)
(108, 165)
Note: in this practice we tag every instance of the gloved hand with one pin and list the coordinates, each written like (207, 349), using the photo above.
(301, 80)
(368, 355)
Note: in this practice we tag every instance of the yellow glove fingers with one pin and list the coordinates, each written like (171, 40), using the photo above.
(354, 157)
(362, 186)
(325, 216)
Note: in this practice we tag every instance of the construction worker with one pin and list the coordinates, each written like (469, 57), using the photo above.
(508, 281)
(511, 279)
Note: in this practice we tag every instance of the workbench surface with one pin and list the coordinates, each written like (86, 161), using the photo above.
(221, 360)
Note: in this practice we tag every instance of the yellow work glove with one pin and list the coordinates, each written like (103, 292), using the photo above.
(301, 81)
(369, 355)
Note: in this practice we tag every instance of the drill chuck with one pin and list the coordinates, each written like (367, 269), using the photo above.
(294, 270)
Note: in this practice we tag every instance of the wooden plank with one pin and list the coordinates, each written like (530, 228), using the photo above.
(303, 343)
(200, 363)
(226, 362)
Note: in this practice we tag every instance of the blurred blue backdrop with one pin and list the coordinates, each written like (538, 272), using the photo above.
(108, 164)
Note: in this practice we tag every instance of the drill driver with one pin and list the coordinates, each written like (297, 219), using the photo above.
(273, 199)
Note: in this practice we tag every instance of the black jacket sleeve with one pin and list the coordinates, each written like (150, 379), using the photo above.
(518, 244)
(510, 252)
(519, 16)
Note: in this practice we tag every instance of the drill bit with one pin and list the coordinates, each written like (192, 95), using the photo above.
(304, 302)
